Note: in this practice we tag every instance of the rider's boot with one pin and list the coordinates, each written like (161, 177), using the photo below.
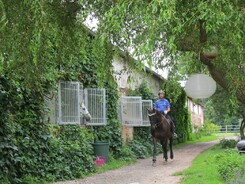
(174, 135)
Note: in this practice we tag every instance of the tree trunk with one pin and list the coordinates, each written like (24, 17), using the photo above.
(242, 128)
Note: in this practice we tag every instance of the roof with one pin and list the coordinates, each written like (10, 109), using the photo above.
(129, 57)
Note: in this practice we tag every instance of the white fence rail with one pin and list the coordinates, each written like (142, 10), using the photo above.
(230, 129)
(226, 129)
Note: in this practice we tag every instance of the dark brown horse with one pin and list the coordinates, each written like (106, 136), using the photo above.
(160, 131)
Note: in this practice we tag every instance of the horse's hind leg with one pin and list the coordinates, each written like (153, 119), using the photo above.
(171, 148)
(165, 150)
(154, 153)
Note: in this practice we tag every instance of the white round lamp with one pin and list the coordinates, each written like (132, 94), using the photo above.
(200, 86)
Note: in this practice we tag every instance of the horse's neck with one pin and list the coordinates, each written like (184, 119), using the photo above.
(163, 122)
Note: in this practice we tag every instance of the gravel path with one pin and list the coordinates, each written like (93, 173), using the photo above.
(142, 171)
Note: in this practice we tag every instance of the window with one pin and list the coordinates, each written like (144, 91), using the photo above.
(146, 104)
(69, 109)
(68, 103)
(133, 111)
(95, 101)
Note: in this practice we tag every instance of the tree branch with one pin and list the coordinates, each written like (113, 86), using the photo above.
(217, 73)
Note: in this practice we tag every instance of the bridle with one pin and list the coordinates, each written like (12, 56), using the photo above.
(156, 124)
(152, 114)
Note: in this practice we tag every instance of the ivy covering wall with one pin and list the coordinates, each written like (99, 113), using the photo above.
(179, 110)
(42, 42)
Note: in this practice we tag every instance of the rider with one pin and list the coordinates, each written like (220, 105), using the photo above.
(163, 106)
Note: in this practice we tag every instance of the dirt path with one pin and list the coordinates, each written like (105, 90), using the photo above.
(143, 173)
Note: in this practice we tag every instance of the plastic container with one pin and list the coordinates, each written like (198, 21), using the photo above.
(101, 148)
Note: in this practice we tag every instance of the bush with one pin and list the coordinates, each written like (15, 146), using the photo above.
(228, 143)
(72, 152)
(230, 164)
(195, 135)
(127, 154)
(139, 149)
(239, 176)
(209, 128)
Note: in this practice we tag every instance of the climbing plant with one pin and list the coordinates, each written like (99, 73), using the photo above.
(179, 112)
(43, 42)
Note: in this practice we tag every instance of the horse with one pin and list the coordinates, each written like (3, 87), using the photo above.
(160, 131)
(84, 112)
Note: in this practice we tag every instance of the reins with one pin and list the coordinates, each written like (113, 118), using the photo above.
(157, 124)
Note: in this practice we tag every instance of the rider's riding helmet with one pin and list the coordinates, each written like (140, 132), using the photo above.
(161, 91)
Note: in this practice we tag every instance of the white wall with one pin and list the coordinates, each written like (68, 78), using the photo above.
(127, 78)
(197, 114)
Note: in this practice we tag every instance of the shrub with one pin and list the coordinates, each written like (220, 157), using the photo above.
(230, 164)
(209, 128)
(72, 152)
(127, 154)
(195, 135)
(228, 143)
(239, 176)
(139, 149)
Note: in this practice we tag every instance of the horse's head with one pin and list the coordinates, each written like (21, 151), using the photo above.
(154, 117)
(84, 111)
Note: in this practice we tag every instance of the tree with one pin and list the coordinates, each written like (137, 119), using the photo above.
(220, 112)
(209, 34)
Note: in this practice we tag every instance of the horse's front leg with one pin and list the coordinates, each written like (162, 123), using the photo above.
(154, 152)
(171, 148)
(165, 149)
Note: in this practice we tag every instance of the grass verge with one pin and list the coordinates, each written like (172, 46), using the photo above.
(113, 164)
(202, 139)
(203, 169)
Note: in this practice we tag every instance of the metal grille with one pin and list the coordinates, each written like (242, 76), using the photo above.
(131, 110)
(95, 101)
(146, 104)
(68, 103)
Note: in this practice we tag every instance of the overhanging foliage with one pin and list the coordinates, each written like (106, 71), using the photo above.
(157, 30)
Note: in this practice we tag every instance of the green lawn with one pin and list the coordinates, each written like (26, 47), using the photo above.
(203, 169)
(202, 139)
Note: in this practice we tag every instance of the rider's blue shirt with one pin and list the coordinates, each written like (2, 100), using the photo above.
(162, 105)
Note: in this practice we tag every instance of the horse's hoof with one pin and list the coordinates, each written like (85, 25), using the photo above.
(166, 160)
(153, 164)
